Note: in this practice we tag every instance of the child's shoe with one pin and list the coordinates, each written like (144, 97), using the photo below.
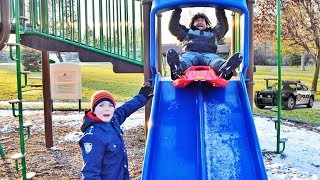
(226, 70)
(174, 63)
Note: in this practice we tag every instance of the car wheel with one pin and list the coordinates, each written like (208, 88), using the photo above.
(310, 104)
(260, 106)
(290, 103)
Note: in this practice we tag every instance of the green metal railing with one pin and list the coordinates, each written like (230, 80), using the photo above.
(1, 151)
(17, 58)
(111, 27)
(17, 107)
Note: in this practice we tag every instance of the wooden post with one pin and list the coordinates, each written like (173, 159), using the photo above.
(249, 74)
(233, 37)
(46, 90)
(146, 39)
(5, 22)
(47, 103)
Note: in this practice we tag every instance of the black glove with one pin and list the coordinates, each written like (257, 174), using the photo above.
(147, 91)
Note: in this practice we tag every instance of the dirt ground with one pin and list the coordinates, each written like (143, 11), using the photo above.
(64, 161)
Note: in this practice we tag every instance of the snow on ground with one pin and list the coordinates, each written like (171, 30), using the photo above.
(8, 113)
(300, 159)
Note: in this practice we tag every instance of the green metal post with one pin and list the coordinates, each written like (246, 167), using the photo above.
(54, 20)
(109, 20)
(93, 25)
(141, 33)
(79, 21)
(72, 21)
(134, 30)
(107, 27)
(279, 72)
(60, 19)
(19, 89)
(12, 7)
(108, 24)
(40, 17)
(37, 17)
(22, 8)
(1, 151)
(114, 26)
(101, 25)
(126, 31)
(45, 7)
(86, 21)
(121, 24)
(118, 27)
(31, 14)
(63, 21)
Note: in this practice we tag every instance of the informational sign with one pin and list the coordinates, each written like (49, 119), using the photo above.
(65, 81)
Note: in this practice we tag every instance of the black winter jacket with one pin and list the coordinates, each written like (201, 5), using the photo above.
(195, 40)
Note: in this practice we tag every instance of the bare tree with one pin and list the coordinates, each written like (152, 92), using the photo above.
(300, 26)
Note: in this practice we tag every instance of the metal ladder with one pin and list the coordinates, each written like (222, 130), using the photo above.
(19, 158)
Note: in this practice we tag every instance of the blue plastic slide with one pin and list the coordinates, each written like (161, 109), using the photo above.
(202, 132)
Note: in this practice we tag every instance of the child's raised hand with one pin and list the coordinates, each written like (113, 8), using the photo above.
(147, 91)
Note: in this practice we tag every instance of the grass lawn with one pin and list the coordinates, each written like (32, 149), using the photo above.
(125, 85)
(94, 77)
(305, 114)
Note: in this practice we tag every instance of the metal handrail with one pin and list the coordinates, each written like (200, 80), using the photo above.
(109, 27)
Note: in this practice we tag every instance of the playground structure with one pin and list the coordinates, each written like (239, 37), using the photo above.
(185, 123)
(200, 132)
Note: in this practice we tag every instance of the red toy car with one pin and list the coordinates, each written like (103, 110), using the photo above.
(200, 73)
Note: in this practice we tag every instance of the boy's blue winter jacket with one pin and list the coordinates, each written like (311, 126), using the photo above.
(102, 145)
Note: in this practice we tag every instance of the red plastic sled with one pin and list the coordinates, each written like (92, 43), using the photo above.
(200, 73)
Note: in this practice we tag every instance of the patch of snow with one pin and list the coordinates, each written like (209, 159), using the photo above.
(72, 119)
(54, 148)
(301, 157)
(135, 120)
(73, 137)
(6, 129)
(6, 113)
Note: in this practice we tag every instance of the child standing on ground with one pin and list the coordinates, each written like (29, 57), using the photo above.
(199, 45)
(102, 145)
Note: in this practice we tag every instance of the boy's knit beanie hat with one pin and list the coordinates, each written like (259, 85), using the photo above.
(100, 96)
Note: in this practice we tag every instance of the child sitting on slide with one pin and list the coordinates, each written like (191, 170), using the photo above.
(199, 47)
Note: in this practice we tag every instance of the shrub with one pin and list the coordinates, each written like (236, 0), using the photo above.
(295, 60)
(30, 59)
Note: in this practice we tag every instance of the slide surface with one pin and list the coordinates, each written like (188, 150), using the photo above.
(202, 132)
